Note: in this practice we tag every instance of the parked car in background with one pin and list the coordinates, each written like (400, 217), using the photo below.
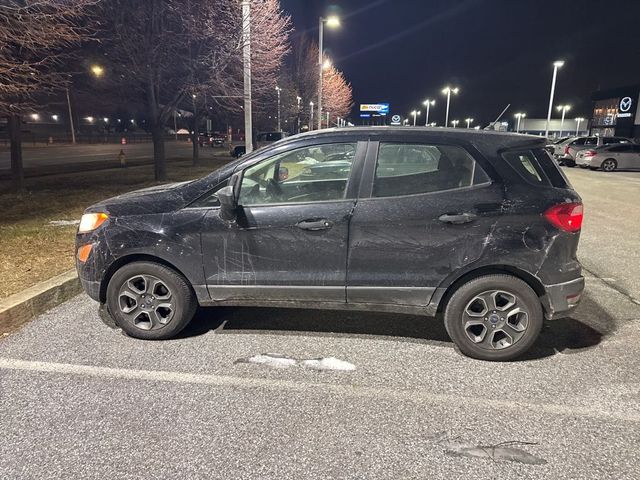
(556, 147)
(479, 227)
(610, 157)
(261, 140)
(571, 148)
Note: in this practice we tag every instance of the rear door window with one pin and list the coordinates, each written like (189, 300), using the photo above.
(408, 169)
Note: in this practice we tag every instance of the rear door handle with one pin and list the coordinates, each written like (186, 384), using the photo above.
(457, 218)
(315, 224)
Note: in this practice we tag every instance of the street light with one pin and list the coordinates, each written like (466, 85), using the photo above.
(455, 123)
(278, 89)
(564, 109)
(298, 99)
(447, 91)
(427, 103)
(468, 120)
(578, 120)
(331, 22)
(519, 116)
(556, 65)
(327, 64)
(415, 114)
(97, 70)
(311, 117)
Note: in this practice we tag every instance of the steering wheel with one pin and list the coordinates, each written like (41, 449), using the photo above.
(274, 190)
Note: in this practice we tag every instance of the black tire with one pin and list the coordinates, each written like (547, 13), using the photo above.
(170, 292)
(456, 318)
(609, 165)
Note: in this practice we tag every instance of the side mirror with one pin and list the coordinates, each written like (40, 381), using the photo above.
(228, 203)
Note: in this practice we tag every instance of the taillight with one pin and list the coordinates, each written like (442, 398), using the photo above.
(566, 149)
(566, 216)
(590, 153)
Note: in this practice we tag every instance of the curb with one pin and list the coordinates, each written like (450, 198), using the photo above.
(18, 309)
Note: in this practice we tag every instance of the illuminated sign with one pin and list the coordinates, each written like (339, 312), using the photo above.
(381, 108)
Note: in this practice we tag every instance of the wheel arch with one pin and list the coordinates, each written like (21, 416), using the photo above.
(531, 280)
(127, 259)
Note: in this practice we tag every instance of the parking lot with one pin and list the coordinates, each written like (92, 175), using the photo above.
(80, 400)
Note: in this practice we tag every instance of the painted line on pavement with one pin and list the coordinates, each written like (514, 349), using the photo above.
(409, 395)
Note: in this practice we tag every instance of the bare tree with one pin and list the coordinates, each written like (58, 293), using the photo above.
(337, 96)
(36, 37)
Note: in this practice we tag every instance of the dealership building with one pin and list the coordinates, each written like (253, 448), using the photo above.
(615, 112)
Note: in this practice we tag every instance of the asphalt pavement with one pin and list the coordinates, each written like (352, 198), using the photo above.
(80, 400)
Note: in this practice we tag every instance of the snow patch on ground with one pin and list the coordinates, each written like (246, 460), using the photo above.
(63, 223)
(275, 360)
(329, 363)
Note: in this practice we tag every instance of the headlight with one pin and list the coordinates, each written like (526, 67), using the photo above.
(91, 221)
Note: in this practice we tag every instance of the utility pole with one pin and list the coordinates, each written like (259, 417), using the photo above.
(73, 132)
(246, 63)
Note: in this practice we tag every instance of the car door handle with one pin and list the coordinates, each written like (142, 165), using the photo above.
(315, 224)
(457, 218)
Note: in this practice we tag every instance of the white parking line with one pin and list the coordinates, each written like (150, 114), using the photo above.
(408, 395)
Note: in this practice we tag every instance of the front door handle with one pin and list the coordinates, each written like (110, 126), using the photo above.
(457, 218)
(315, 224)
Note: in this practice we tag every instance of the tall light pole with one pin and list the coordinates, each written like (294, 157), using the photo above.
(519, 116)
(73, 131)
(455, 123)
(415, 114)
(427, 103)
(311, 116)
(331, 21)
(556, 65)
(564, 109)
(246, 67)
(468, 120)
(447, 91)
(278, 89)
(298, 99)
(578, 120)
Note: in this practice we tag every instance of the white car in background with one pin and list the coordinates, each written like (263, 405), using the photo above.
(610, 157)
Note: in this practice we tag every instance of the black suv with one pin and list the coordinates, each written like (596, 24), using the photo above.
(480, 228)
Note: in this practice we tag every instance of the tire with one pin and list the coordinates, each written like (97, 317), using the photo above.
(150, 301)
(609, 165)
(486, 334)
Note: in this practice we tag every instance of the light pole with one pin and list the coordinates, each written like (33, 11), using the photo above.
(519, 116)
(578, 120)
(455, 123)
(311, 116)
(327, 119)
(468, 120)
(298, 99)
(331, 21)
(415, 114)
(246, 68)
(447, 91)
(564, 109)
(427, 103)
(556, 65)
(278, 89)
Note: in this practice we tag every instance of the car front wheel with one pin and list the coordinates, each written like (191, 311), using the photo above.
(150, 301)
(494, 317)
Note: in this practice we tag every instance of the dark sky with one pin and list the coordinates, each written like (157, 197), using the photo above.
(496, 51)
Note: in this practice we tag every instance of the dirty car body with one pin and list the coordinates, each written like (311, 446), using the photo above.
(417, 215)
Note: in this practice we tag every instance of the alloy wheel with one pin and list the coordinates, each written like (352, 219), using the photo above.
(608, 165)
(146, 302)
(495, 319)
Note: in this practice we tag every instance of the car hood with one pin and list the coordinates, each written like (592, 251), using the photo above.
(162, 198)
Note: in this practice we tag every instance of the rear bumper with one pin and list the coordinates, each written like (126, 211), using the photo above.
(560, 299)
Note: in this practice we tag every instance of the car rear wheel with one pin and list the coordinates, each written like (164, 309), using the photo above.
(494, 317)
(609, 165)
(150, 301)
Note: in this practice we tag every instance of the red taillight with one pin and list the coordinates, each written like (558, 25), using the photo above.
(566, 216)
(590, 153)
(566, 150)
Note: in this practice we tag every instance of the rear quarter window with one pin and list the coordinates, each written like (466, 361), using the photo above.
(536, 167)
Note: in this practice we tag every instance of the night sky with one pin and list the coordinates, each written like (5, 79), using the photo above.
(496, 51)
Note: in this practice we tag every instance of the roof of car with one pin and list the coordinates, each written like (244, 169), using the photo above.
(487, 138)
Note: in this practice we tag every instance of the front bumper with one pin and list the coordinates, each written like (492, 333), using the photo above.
(560, 299)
